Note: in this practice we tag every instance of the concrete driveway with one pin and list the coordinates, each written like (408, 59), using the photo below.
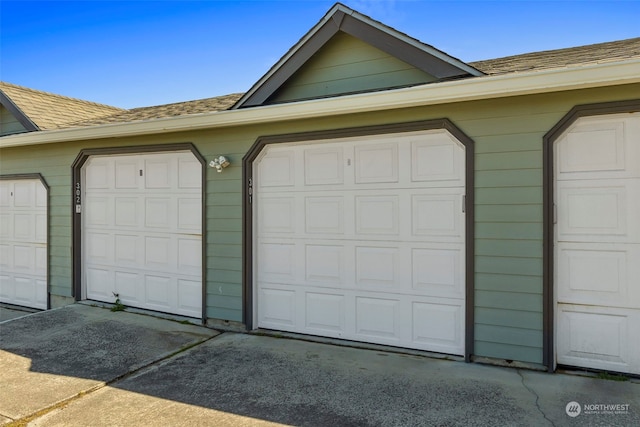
(87, 366)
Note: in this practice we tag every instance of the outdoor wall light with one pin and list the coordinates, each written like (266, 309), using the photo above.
(219, 163)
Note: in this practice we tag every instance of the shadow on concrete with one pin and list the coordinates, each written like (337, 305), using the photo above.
(241, 379)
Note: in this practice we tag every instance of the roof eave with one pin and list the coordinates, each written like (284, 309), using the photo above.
(24, 120)
(554, 80)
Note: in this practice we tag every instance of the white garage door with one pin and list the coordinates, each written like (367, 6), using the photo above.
(363, 239)
(142, 235)
(23, 243)
(597, 247)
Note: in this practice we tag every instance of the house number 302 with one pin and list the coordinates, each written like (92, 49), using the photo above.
(77, 196)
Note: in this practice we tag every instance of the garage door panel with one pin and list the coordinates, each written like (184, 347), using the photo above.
(5, 225)
(102, 284)
(158, 254)
(97, 211)
(378, 318)
(40, 229)
(129, 250)
(189, 214)
(5, 193)
(158, 292)
(277, 262)
(599, 272)
(324, 166)
(142, 228)
(589, 211)
(376, 163)
(7, 287)
(324, 264)
(24, 194)
(25, 290)
(158, 213)
(377, 215)
(438, 325)
(438, 216)
(277, 308)
(24, 226)
(6, 257)
(338, 238)
(126, 287)
(99, 248)
(126, 174)
(277, 169)
(99, 175)
(278, 215)
(607, 148)
(23, 258)
(598, 338)
(593, 148)
(189, 297)
(158, 173)
(324, 215)
(438, 272)
(325, 312)
(437, 157)
(41, 261)
(127, 211)
(377, 267)
(189, 255)
(189, 175)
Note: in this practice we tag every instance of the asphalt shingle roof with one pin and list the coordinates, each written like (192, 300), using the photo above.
(50, 111)
(562, 58)
(207, 105)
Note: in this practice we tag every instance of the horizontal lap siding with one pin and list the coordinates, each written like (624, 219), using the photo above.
(508, 213)
(346, 64)
(508, 245)
(224, 226)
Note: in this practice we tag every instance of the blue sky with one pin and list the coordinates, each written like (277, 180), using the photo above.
(143, 53)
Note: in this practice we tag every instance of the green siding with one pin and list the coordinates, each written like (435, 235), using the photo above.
(8, 123)
(508, 236)
(346, 64)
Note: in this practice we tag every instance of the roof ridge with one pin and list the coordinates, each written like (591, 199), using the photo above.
(68, 98)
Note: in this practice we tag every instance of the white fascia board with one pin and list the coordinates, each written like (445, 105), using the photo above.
(471, 89)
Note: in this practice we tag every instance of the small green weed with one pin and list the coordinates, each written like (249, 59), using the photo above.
(118, 305)
(612, 377)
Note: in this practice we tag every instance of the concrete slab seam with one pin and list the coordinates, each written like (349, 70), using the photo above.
(136, 369)
(20, 422)
(536, 395)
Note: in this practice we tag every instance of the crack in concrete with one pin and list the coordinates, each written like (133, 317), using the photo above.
(537, 397)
